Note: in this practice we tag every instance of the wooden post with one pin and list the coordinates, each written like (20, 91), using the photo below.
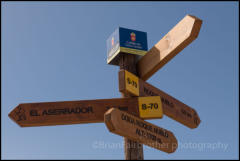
(132, 149)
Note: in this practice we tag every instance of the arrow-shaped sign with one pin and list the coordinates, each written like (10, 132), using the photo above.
(127, 125)
(169, 46)
(85, 111)
(131, 84)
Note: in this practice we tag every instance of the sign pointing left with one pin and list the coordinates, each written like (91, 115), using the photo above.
(77, 112)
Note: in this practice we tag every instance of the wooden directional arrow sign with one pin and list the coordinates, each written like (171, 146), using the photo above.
(131, 84)
(169, 46)
(127, 125)
(85, 111)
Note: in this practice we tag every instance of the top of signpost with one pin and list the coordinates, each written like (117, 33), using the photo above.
(125, 41)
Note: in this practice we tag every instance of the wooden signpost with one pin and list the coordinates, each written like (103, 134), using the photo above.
(85, 111)
(169, 46)
(131, 84)
(127, 125)
(141, 101)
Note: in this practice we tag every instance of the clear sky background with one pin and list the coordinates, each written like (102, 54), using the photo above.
(56, 51)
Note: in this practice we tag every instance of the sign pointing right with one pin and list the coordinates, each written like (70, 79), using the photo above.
(127, 125)
(173, 108)
(169, 46)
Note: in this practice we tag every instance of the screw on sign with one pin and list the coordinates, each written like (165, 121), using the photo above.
(126, 116)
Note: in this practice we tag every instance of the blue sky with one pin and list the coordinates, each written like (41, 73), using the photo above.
(56, 51)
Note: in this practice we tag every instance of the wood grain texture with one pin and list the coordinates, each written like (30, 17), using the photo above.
(172, 107)
(169, 46)
(132, 149)
(130, 126)
(69, 112)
